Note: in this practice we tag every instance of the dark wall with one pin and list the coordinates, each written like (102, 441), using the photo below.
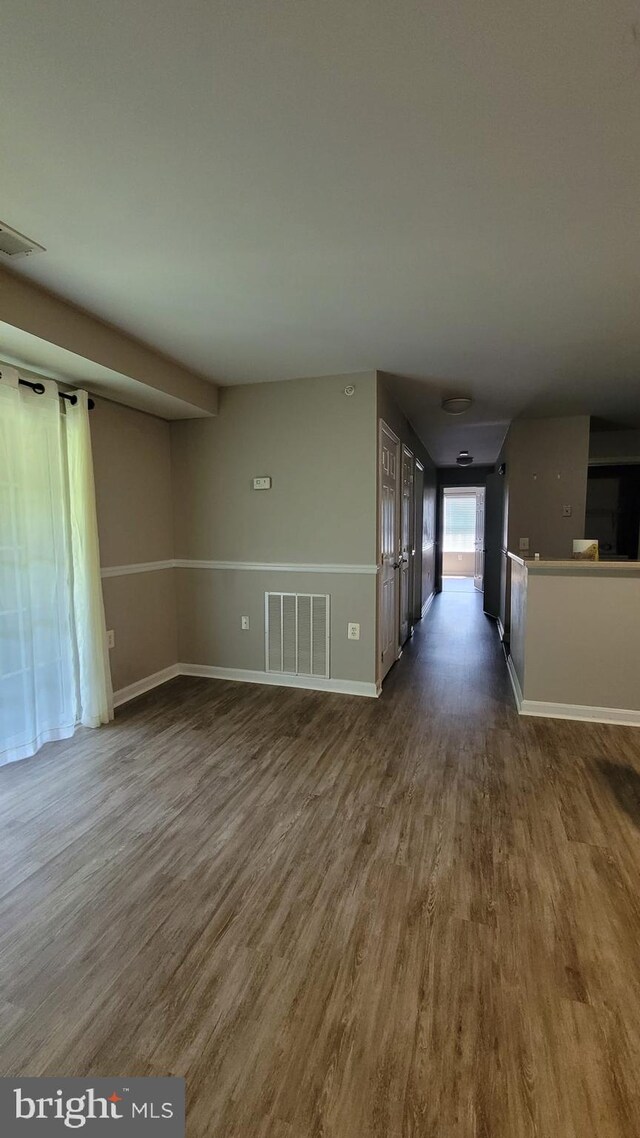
(463, 475)
(613, 509)
(494, 506)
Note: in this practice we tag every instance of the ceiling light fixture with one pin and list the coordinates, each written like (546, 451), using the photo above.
(464, 458)
(457, 405)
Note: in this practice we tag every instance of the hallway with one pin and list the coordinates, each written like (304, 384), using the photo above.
(457, 585)
(454, 663)
(411, 917)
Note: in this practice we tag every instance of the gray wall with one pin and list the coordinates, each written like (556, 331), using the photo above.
(575, 635)
(458, 564)
(184, 491)
(546, 468)
(547, 461)
(316, 445)
(319, 448)
(518, 618)
(212, 602)
(132, 471)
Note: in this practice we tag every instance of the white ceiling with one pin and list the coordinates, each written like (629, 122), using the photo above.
(448, 191)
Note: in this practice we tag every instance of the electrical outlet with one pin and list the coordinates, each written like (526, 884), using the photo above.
(111, 638)
(244, 623)
(566, 511)
(523, 545)
(262, 483)
(353, 631)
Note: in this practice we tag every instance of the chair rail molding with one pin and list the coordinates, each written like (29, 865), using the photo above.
(251, 566)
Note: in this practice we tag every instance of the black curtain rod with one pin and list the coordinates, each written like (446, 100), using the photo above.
(38, 388)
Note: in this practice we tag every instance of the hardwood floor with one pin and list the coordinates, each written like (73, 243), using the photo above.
(416, 916)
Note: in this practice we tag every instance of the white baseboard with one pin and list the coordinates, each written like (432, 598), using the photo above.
(241, 675)
(278, 679)
(515, 683)
(623, 717)
(578, 711)
(123, 695)
(500, 627)
(427, 605)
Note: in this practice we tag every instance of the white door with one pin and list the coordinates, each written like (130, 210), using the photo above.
(478, 573)
(389, 451)
(418, 494)
(406, 544)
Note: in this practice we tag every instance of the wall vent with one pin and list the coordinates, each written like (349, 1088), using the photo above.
(14, 244)
(297, 633)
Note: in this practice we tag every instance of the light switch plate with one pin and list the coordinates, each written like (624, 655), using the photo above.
(523, 545)
(262, 483)
(566, 511)
(244, 623)
(111, 638)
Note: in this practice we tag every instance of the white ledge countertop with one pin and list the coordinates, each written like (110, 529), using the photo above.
(570, 565)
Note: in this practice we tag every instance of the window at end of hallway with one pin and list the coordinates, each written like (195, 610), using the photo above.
(459, 523)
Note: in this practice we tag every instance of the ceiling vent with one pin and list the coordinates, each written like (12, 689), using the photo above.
(14, 244)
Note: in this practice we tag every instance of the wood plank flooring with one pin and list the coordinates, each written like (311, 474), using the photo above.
(338, 917)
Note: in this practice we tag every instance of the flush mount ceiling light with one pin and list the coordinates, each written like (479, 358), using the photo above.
(456, 406)
(464, 458)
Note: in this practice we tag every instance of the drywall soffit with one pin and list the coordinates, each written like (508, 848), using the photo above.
(39, 357)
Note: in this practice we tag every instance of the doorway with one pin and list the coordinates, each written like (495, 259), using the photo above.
(418, 527)
(407, 548)
(389, 609)
(463, 525)
(400, 525)
(613, 510)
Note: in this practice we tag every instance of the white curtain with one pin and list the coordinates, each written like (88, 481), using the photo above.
(53, 662)
(95, 696)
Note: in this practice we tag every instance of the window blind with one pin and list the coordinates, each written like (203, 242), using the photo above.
(459, 523)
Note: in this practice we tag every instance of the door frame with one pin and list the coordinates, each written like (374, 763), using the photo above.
(418, 527)
(406, 550)
(479, 542)
(444, 490)
(385, 429)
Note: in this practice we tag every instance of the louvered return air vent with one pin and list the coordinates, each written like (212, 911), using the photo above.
(297, 633)
(15, 245)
